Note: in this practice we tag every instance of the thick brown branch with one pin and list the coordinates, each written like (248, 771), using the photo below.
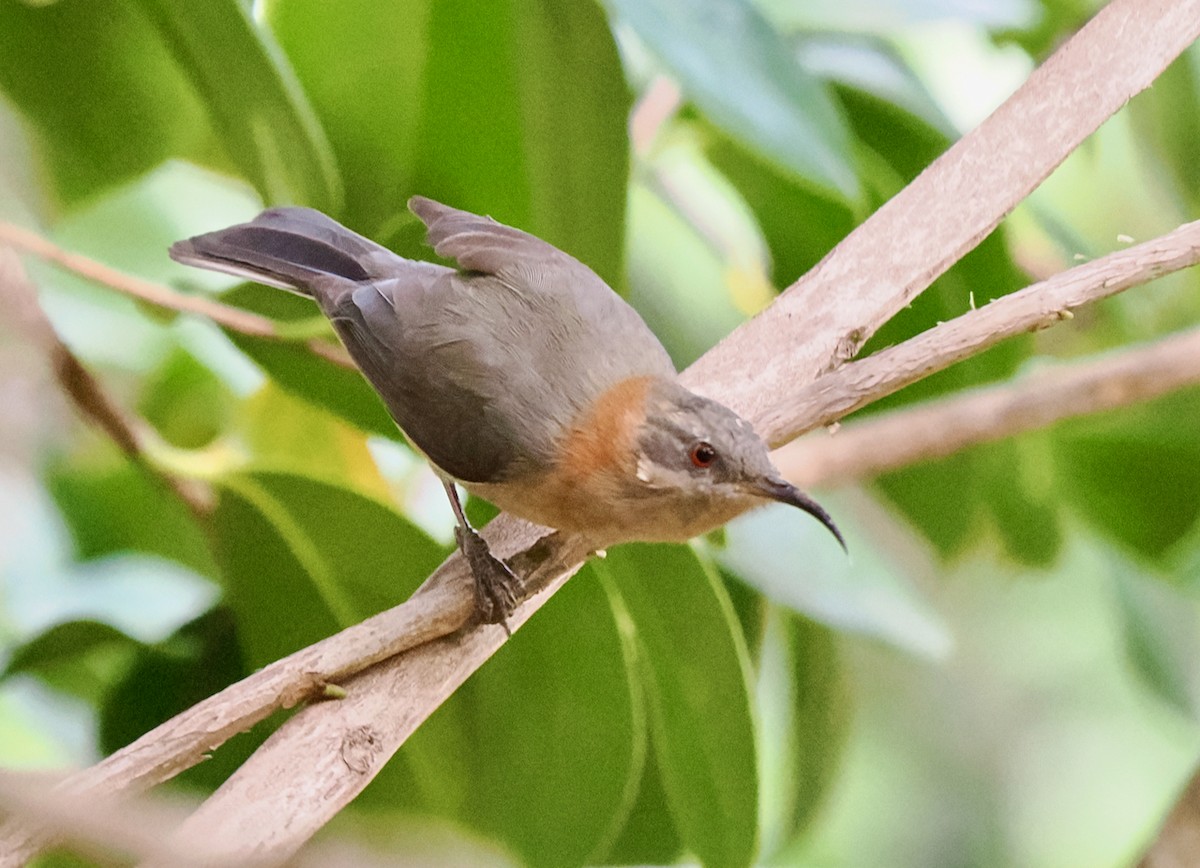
(862, 450)
(225, 315)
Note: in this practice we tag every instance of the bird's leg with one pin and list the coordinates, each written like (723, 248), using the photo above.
(498, 589)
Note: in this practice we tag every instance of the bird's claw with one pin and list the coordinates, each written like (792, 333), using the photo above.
(498, 590)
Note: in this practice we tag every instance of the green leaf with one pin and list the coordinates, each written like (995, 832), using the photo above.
(557, 705)
(793, 562)
(742, 75)
(82, 658)
(63, 642)
(1166, 121)
(263, 117)
(1136, 473)
(362, 64)
(169, 677)
(561, 704)
(672, 269)
(284, 432)
(129, 106)
(331, 555)
(185, 402)
(574, 105)
(781, 204)
(649, 836)
(516, 110)
(886, 16)
(805, 705)
(1161, 630)
(112, 506)
(1009, 483)
(941, 498)
(697, 674)
(1023, 502)
(524, 118)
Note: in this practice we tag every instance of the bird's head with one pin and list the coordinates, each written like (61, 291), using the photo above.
(708, 461)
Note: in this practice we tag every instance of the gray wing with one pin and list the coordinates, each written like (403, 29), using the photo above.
(486, 368)
(584, 317)
(483, 368)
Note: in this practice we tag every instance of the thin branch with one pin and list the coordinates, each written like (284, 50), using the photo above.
(133, 828)
(827, 315)
(935, 429)
(235, 319)
(84, 391)
(102, 830)
(856, 384)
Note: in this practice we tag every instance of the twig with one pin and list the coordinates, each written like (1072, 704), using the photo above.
(862, 450)
(83, 390)
(134, 828)
(222, 314)
(657, 104)
(102, 830)
(856, 384)
(230, 317)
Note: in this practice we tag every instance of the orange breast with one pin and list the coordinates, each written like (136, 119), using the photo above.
(602, 440)
(590, 485)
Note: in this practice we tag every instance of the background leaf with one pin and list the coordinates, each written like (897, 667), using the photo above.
(544, 747)
(112, 507)
(252, 98)
(696, 670)
(121, 76)
(734, 66)
(302, 559)
(804, 570)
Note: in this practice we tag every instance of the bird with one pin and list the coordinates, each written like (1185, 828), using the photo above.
(520, 375)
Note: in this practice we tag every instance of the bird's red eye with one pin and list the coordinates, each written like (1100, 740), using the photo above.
(703, 455)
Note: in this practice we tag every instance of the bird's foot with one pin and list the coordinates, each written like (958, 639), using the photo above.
(498, 589)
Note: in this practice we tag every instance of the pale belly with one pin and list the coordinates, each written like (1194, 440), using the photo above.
(612, 517)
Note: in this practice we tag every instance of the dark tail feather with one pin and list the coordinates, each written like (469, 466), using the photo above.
(291, 248)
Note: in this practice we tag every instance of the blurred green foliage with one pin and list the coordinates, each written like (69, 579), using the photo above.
(1003, 673)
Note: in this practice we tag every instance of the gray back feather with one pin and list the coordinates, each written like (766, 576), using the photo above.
(484, 368)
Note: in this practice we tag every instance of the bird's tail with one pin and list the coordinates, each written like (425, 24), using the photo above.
(297, 249)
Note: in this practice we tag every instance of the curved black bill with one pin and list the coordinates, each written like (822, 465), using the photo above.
(784, 492)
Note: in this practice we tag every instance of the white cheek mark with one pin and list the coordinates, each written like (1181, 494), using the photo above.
(643, 472)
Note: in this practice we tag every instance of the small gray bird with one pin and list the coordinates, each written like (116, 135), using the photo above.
(520, 375)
